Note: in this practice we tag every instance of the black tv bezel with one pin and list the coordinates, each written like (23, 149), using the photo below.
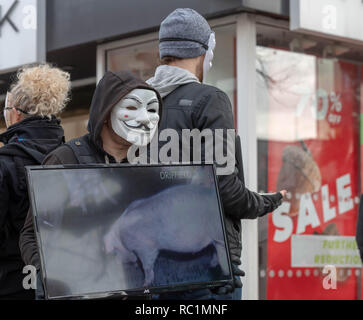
(133, 292)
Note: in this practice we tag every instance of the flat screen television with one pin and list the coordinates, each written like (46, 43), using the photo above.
(119, 230)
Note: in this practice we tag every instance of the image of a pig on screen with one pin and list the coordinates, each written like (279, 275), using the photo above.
(180, 220)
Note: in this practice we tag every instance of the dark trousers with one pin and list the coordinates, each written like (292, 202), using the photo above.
(200, 294)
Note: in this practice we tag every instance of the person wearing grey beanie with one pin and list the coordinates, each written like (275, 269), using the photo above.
(186, 48)
(187, 42)
(184, 34)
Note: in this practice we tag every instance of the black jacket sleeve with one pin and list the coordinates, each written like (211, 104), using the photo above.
(359, 236)
(27, 242)
(214, 111)
(4, 200)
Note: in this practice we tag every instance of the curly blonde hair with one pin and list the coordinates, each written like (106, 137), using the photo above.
(41, 90)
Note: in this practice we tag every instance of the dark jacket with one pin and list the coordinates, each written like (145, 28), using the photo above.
(210, 108)
(26, 143)
(359, 236)
(87, 149)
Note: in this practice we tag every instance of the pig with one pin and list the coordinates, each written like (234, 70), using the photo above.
(181, 219)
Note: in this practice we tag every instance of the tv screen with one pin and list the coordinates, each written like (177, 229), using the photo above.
(128, 230)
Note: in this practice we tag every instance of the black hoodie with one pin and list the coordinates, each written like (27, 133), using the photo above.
(112, 88)
(26, 143)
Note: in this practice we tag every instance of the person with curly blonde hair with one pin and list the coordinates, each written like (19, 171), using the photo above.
(39, 91)
(37, 96)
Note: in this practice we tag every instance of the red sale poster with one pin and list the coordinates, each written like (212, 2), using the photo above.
(313, 152)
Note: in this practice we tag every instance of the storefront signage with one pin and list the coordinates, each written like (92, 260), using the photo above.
(315, 156)
(7, 17)
(22, 33)
(334, 18)
(308, 251)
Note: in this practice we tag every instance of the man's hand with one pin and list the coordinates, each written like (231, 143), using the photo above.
(283, 193)
(272, 201)
(236, 283)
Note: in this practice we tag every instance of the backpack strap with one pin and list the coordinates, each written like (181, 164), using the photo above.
(82, 150)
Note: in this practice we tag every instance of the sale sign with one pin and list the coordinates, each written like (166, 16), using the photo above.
(309, 251)
(313, 152)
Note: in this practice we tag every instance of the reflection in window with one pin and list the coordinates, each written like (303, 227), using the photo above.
(142, 59)
(308, 143)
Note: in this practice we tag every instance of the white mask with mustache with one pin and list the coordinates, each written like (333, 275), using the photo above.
(135, 118)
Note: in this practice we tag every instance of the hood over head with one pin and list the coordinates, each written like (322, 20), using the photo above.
(112, 88)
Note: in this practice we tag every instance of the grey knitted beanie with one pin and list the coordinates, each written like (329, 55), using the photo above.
(184, 34)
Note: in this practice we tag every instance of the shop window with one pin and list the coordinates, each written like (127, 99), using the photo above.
(75, 126)
(75, 116)
(308, 128)
(223, 73)
(143, 58)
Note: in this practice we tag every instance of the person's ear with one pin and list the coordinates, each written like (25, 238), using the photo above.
(18, 115)
(14, 116)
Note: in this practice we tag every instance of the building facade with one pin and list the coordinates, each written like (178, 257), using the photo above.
(294, 75)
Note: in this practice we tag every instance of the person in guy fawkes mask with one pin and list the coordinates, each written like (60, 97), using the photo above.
(125, 111)
(36, 97)
(186, 52)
